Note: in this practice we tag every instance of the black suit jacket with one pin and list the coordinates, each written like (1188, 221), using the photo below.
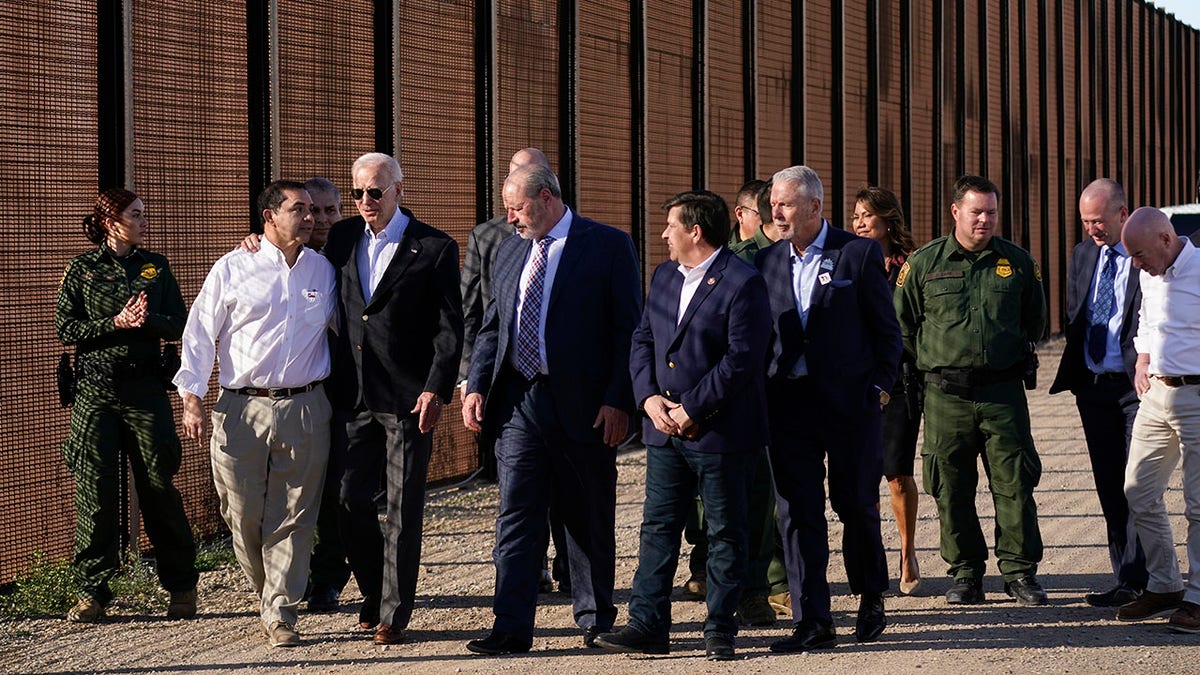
(852, 341)
(595, 303)
(408, 339)
(482, 244)
(1072, 369)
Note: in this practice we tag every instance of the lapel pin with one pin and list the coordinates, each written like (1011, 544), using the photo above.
(827, 264)
(711, 281)
(824, 278)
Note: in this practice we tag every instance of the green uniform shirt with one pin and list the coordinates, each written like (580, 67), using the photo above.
(746, 249)
(94, 289)
(959, 309)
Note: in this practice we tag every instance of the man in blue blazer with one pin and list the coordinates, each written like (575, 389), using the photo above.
(551, 361)
(831, 365)
(1098, 365)
(697, 367)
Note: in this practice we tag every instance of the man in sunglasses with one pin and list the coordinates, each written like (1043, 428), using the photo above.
(395, 363)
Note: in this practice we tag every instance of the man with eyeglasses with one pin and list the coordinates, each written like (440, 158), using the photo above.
(395, 363)
(748, 238)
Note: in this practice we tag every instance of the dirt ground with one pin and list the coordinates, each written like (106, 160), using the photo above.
(454, 604)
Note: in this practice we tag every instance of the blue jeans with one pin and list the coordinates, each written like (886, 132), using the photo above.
(674, 475)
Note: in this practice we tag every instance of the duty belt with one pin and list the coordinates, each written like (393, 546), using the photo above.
(962, 382)
(105, 371)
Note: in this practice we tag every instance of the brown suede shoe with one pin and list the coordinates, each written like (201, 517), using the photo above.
(1186, 619)
(183, 605)
(87, 610)
(281, 634)
(1151, 605)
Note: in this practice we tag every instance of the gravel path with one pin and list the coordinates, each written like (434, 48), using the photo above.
(454, 604)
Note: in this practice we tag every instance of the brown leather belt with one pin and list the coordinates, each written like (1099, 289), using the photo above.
(1177, 380)
(273, 394)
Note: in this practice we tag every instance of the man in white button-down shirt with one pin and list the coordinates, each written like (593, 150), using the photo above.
(265, 315)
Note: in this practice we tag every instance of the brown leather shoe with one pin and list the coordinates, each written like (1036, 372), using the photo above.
(386, 635)
(1151, 605)
(87, 610)
(183, 605)
(1186, 619)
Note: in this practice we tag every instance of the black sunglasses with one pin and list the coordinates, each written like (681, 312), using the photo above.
(375, 193)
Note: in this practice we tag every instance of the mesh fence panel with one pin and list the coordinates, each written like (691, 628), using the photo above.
(48, 160)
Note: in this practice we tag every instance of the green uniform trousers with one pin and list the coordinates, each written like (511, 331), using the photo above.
(135, 416)
(994, 423)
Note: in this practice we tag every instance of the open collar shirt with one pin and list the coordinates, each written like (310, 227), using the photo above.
(265, 322)
(1167, 328)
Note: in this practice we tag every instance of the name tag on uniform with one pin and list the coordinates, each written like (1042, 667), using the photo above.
(946, 274)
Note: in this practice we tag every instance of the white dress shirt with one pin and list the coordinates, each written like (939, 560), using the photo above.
(1113, 362)
(1167, 328)
(265, 321)
(560, 231)
(377, 251)
(805, 270)
(692, 276)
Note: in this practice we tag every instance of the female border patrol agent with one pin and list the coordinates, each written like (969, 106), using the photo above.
(115, 304)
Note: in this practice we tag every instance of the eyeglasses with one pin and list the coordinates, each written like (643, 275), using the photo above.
(375, 193)
(743, 207)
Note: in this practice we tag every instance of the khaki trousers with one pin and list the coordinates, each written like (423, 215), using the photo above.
(1167, 427)
(268, 461)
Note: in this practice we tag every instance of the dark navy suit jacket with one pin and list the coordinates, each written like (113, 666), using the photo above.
(712, 362)
(1072, 369)
(852, 342)
(594, 306)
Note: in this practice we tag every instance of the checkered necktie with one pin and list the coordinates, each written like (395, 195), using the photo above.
(1103, 308)
(529, 360)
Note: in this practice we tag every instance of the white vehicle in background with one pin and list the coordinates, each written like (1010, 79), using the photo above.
(1186, 219)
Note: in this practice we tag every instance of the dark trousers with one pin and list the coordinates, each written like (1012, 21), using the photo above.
(134, 416)
(805, 431)
(385, 557)
(673, 476)
(764, 566)
(1107, 410)
(328, 567)
(539, 463)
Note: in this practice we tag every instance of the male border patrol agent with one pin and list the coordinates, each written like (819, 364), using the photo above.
(970, 304)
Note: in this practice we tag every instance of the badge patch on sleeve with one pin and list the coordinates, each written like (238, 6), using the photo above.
(149, 271)
(1037, 271)
(902, 276)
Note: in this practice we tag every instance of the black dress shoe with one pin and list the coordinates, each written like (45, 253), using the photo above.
(966, 591)
(871, 620)
(498, 644)
(1117, 596)
(368, 616)
(632, 640)
(809, 635)
(591, 633)
(1027, 591)
(323, 599)
(719, 648)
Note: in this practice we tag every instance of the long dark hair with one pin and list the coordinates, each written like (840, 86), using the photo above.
(110, 204)
(882, 203)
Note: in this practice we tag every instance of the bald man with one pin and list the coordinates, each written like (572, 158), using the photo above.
(1167, 378)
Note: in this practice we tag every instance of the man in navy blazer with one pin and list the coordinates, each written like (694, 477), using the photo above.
(551, 361)
(831, 365)
(1098, 365)
(394, 365)
(697, 367)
